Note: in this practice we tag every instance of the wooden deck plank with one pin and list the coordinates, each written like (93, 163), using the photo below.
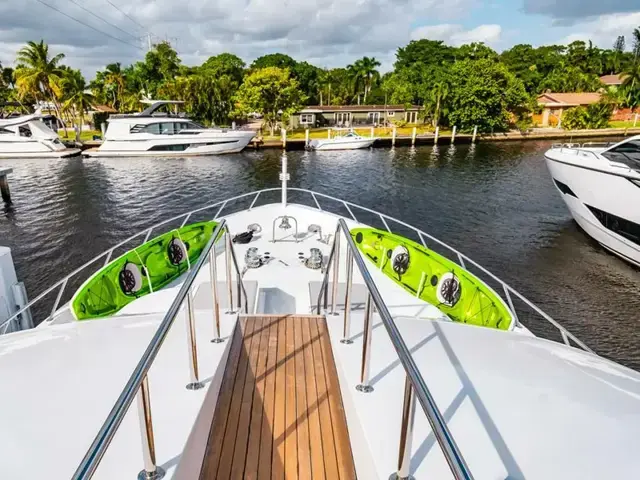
(242, 432)
(257, 413)
(280, 412)
(277, 467)
(346, 467)
(304, 451)
(228, 443)
(328, 443)
(216, 434)
(266, 434)
(291, 427)
(317, 462)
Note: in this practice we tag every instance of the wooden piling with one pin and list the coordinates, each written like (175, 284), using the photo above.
(475, 133)
(435, 139)
(4, 185)
(329, 134)
(284, 138)
(413, 136)
(635, 120)
(371, 132)
(306, 137)
(453, 135)
(393, 137)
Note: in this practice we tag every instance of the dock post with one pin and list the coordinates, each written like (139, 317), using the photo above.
(371, 132)
(4, 186)
(306, 137)
(329, 133)
(453, 135)
(284, 138)
(635, 120)
(475, 133)
(413, 136)
(103, 129)
(393, 137)
(435, 139)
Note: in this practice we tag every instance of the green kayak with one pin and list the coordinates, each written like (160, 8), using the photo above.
(434, 279)
(144, 269)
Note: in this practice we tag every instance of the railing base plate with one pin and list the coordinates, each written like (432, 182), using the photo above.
(157, 475)
(195, 386)
(346, 341)
(394, 476)
(217, 340)
(364, 388)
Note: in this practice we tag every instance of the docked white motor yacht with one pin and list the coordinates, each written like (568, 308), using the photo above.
(156, 133)
(349, 141)
(600, 183)
(308, 360)
(28, 137)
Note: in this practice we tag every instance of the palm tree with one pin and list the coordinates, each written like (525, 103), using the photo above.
(114, 81)
(636, 44)
(76, 97)
(631, 85)
(363, 74)
(436, 100)
(38, 74)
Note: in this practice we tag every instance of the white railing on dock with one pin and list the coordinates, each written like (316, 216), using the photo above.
(253, 199)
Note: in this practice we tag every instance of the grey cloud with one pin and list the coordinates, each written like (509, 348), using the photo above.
(569, 10)
(327, 32)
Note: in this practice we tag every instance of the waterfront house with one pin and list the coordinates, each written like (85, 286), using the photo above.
(354, 115)
(613, 81)
(554, 104)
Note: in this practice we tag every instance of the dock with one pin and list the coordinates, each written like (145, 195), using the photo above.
(4, 185)
(280, 411)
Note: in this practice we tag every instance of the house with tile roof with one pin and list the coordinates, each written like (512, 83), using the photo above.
(554, 104)
(354, 115)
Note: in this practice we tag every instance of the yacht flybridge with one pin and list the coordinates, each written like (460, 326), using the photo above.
(28, 137)
(600, 183)
(154, 132)
(263, 339)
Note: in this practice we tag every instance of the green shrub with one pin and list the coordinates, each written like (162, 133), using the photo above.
(593, 116)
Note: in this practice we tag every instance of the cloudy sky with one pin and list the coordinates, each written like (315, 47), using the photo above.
(325, 32)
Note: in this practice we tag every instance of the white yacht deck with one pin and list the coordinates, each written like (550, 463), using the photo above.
(518, 406)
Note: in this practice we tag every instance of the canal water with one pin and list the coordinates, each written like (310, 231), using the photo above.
(494, 202)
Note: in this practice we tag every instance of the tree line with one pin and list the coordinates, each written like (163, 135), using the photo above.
(464, 86)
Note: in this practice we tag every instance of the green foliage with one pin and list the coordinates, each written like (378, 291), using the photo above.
(475, 51)
(279, 60)
(270, 91)
(483, 93)
(593, 116)
(630, 88)
(225, 64)
(363, 75)
(424, 52)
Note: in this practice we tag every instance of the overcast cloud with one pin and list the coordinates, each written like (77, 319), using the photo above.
(327, 33)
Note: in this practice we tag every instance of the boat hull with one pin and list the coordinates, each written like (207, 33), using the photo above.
(428, 275)
(140, 271)
(601, 202)
(321, 145)
(173, 146)
(70, 152)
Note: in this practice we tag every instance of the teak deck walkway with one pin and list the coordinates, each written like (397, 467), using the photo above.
(280, 412)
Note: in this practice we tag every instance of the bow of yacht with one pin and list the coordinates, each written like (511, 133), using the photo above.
(294, 354)
(28, 137)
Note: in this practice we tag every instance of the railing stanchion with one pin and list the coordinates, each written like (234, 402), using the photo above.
(406, 432)
(195, 383)
(366, 348)
(151, 470)
(346, 333)
(513, 309)
(228, 261)
(336, 272)
(213, 274)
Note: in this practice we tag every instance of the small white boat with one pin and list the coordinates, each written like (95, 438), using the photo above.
(600, 185)
(349, 141)
(28, 137)
(154, 133)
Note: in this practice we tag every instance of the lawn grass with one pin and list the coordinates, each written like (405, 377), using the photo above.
(299, 134)
(623, 124)
(85, 135)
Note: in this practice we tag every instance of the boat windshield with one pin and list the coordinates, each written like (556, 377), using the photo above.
(627, 153)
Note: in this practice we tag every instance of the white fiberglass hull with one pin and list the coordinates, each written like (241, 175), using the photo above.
(595, 194)
(174, 145)
(337, 144)
(68, 152)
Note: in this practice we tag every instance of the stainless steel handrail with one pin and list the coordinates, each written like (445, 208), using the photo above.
(463, 260)
(136, 383)
(445, 439)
